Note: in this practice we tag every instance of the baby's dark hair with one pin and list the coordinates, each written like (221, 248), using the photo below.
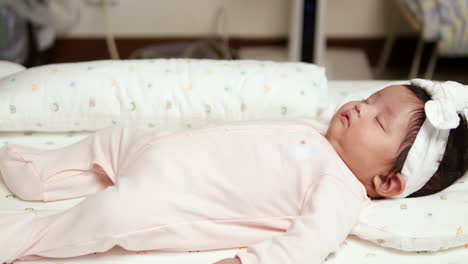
(454, 163)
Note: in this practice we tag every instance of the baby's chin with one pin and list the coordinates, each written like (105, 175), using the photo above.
(334, 125)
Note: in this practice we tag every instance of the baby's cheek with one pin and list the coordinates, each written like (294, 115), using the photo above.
(359, 132)
(364, 140)
(377, 145)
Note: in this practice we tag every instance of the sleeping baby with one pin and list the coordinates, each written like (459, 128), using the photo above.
(291, 190)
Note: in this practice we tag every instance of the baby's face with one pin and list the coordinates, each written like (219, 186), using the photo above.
(367, 134)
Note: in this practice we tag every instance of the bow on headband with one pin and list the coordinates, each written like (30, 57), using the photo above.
(447, 100)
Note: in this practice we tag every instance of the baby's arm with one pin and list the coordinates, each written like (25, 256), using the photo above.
(329, 213)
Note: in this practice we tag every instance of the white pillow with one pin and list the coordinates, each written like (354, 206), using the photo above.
(159, 92)
(8, 67)
(428, 223)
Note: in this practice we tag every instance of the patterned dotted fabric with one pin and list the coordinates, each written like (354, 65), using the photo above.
(158, 92)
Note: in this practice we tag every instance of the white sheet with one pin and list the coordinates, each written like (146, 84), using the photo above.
(353, 250)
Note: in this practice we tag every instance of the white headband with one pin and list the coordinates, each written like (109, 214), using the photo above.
(447, 100)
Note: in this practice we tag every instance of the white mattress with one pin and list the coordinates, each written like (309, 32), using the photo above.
(353, 250)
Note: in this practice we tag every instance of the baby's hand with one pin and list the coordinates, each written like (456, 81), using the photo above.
(229, 261)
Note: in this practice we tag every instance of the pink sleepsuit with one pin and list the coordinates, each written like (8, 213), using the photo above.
(276, 186)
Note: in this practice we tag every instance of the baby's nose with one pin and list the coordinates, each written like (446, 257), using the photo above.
(358, 108)
(362, 109)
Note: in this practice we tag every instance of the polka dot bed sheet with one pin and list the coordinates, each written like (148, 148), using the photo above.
(352, 250)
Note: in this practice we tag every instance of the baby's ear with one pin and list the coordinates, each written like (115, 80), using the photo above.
(393, 184)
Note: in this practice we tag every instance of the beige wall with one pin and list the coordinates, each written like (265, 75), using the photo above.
(364, 18)
(246, 18)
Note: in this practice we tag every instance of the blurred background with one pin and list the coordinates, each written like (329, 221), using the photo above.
(354, 40)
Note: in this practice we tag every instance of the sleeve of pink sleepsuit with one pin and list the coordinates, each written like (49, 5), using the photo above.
(329, 213)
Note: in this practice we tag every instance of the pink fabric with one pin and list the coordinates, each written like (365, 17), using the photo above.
(276, 186)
